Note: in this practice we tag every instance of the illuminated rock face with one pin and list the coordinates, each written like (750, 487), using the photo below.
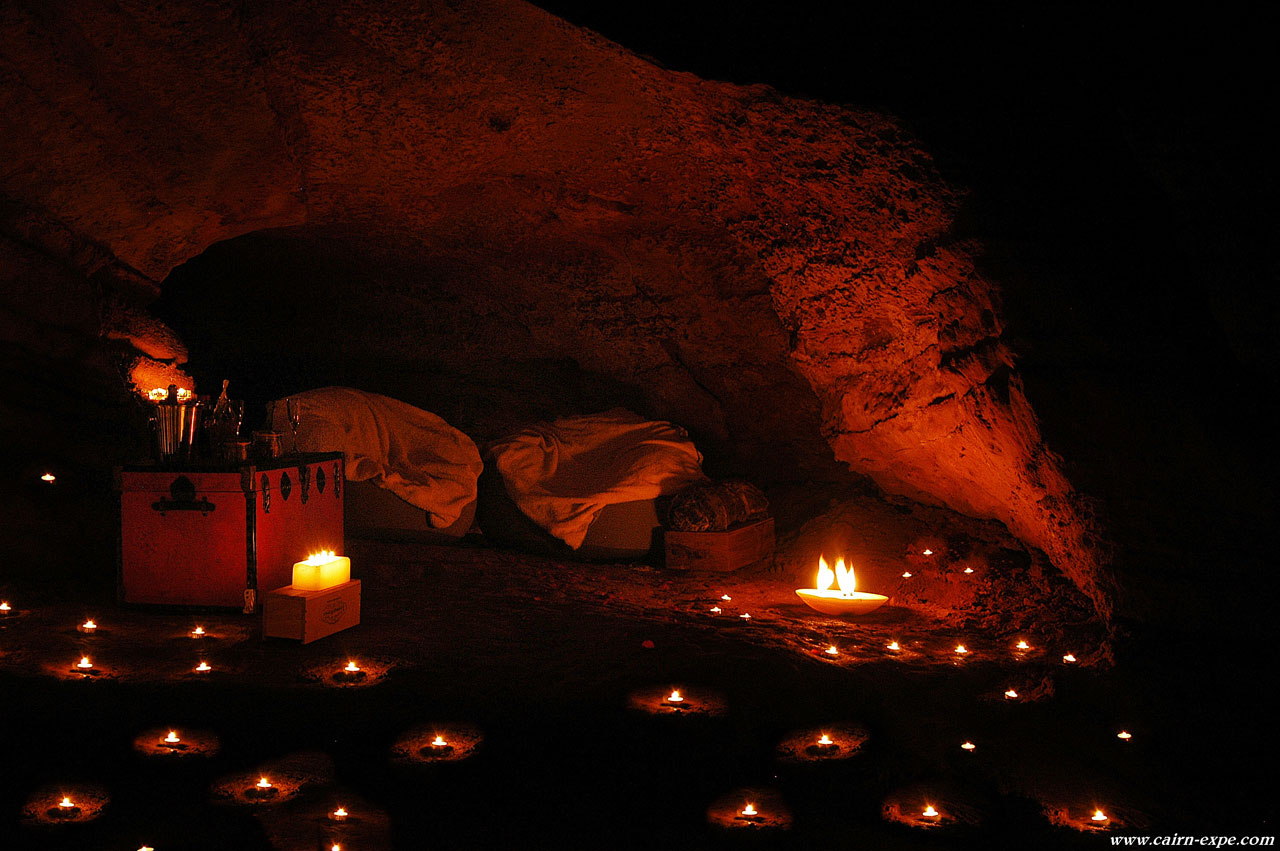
(774, 273)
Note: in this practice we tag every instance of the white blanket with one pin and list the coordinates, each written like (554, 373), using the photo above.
(561, 474)
(410, 452)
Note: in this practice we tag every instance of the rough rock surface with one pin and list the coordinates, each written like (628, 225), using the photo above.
(774, 273)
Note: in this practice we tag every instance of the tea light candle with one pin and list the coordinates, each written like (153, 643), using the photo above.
(5, 608)
(961, 650)
(746, 616)
(338, 815)
(1022, 646)
(1125, 735)
(893, 645)
(1011, 694)
(1099, 817)
(832, 651)
(172, 739)
(66, 809)
(198, 632)
(726, 598)
(927, 553)
(351, 673)
(437, 748)
(715, 610)
(826, 744)
(262, 789)
(320, 571)
(675, 697)
(930, 812)
(84, 664)
(749, 810)
(88, 627)
(203, 667)
(968, 570)
(352, 667)
(969, 746)
(439, 742)
(1069, 658)
(49, 477)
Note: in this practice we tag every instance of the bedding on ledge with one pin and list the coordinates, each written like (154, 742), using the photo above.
(563, 474)
(412, 453)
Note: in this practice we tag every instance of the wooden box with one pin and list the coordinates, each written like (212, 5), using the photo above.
(307, 615)
(721, 551)
(213, 535)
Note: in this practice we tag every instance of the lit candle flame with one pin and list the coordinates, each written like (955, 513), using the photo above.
(89, 625)
(172, 738)
(968, 570)
(892, 645)
(1011, 694)
(4, 607)
(203, 667)
(340, 813)
(1069, 658)
(745, 616)
(929, 811)
(715, 610)
(906, 574)
(842, 576)
(1099, 815)
(264, 783)
(1023, 645)
(84, 662)
(749, 810)
(961, 650)
(832, 651)
(336, 847)
(674, 697)
(197, 632)
(725, 597)
(322, 557)
(927, 552)
(351, 668)
(439, 742)
(969, 746)
(49, 477)
(825, 740)
(66, 803)
(1124, 734)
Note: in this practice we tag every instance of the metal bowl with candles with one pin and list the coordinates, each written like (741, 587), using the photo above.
(847, 600)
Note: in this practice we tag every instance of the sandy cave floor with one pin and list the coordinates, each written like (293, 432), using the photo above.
(551, 677)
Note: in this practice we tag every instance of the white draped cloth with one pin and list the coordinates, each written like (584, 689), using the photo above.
(411, 452)
(561, 474)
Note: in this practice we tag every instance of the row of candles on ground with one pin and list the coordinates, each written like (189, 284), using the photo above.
(928, 815)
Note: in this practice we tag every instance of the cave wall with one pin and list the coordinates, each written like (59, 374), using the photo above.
(776, 273)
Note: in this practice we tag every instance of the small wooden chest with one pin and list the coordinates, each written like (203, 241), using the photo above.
(721, 551)
(307, 615)
(214, 535)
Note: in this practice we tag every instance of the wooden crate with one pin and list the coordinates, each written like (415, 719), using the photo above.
(720, 551)
(308, 615)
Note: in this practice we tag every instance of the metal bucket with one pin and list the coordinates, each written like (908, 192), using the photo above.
(176, 429)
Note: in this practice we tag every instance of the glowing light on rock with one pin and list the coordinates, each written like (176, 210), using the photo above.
(832, 651)
(746, 616)
(825, 740)
(725, 597)
(961, 650)
(893, 645)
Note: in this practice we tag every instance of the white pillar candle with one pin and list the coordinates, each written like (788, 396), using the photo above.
(321, 571)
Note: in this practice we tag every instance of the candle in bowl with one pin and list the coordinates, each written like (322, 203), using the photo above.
(320, 571)
(848, 600)
(89, 627)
